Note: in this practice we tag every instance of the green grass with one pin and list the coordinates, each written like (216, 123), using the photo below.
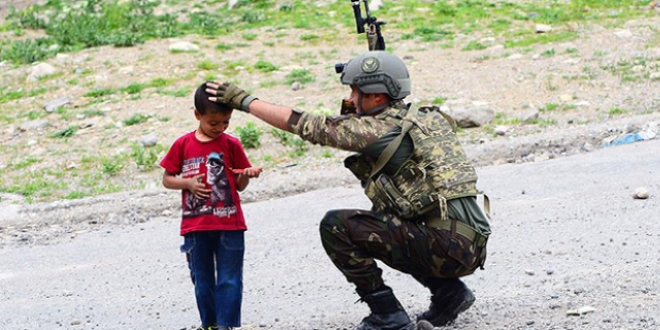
(136, 119)
(303, 76)
(100, 92)
(129, 23)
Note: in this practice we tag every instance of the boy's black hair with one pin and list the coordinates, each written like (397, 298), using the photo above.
(203, 105)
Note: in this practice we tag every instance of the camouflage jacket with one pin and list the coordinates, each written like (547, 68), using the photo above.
(429, 166)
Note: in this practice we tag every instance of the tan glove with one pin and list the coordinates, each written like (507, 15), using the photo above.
(230, 95)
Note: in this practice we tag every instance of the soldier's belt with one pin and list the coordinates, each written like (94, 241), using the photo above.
(462, 229)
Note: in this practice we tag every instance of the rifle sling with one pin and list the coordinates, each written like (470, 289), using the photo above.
(394, 145)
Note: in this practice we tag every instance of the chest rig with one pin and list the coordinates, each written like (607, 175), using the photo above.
(437, 170)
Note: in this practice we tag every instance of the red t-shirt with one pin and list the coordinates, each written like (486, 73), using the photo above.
(215, 159)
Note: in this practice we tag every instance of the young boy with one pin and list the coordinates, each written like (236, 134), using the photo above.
(202, 164)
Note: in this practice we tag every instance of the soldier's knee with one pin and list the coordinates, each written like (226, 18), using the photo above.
(331, 219)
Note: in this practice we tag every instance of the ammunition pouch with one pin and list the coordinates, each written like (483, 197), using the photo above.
(408, 194)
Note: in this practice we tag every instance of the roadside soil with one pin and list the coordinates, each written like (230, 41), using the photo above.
(566, 91)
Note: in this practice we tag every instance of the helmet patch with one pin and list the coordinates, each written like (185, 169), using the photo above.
(370, 64)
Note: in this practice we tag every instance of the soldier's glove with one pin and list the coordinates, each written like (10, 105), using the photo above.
(230, 95)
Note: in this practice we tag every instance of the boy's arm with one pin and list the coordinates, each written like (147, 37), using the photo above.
(242, 182)
(194, 184)
(244, 176)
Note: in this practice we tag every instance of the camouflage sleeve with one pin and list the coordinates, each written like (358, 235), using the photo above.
(348, 132)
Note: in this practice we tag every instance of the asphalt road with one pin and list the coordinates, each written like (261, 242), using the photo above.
(567, 235)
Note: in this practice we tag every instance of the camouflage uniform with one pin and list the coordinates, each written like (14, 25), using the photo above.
(354, 238)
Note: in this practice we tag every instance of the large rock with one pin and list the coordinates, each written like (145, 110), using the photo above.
(475, 116)
(40, 70)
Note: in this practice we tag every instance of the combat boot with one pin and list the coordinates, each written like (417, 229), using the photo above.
(386, 311)
(450, 298)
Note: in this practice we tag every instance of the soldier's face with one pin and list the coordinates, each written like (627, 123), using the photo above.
(369, 101)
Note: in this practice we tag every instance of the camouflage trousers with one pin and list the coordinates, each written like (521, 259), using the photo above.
(354, 239)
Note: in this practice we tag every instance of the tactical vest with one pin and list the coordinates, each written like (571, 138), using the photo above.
(437, 170)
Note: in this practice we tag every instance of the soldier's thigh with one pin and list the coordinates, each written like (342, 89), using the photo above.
(403, 245)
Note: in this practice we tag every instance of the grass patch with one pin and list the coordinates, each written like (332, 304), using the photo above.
(207, 65)
(100, 92)
(265, 66)
(136, 119)
(65, 133)
(303, 76)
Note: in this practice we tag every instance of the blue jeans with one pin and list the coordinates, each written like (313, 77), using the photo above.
(215, 259)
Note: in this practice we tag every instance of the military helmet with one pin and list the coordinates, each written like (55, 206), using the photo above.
(378, 72)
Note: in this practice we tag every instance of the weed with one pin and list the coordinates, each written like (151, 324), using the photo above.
(6, 96)
(112, 165)
(93, 113)
(439, 100)
(99, 92)
(300, 147)
(249, 36)
(548, 53)
(134, 88)
(264, 66)
(146, 158)
(75, 195)
(617, 111)
(474, 45)
(65, 133)
(308, 37)
(285, 138)
(207, 65)
(25, 163)
(249, 135)
(135, 119)
(302, 76)
(182, 92)
(224, 46)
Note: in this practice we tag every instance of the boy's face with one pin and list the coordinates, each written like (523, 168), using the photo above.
(212, 123)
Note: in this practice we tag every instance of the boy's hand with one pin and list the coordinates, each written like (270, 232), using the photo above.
(250, 172)
(198, 187)
(230, 95)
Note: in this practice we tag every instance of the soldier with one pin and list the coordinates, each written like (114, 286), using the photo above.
(425, 220)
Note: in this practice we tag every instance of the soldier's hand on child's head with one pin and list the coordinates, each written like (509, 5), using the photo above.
(230, 95)
(198, 187)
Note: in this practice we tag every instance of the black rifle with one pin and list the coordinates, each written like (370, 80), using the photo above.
(374, 36)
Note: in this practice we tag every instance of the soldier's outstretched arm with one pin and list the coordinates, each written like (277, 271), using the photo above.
(231, 95)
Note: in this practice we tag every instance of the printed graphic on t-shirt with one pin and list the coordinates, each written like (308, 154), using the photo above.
(220, 203)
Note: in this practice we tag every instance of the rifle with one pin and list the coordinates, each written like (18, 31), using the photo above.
(374, 36)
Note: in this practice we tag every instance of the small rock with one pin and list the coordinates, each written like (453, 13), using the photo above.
(550, 271)
(40, 70)
(515, 56)
(529, 272)
(149, 140)
(408, 57)
(54, 104)
(624, 34)
(542, 28)
(566, 98)
(183, 46)
(641, 193)
(500, 130)
(167, 213)
(33, 125)
(296, 86)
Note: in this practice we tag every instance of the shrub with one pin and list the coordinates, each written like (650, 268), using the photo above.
(249, 135)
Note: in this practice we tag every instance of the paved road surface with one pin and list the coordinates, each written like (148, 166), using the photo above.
(567, 235)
